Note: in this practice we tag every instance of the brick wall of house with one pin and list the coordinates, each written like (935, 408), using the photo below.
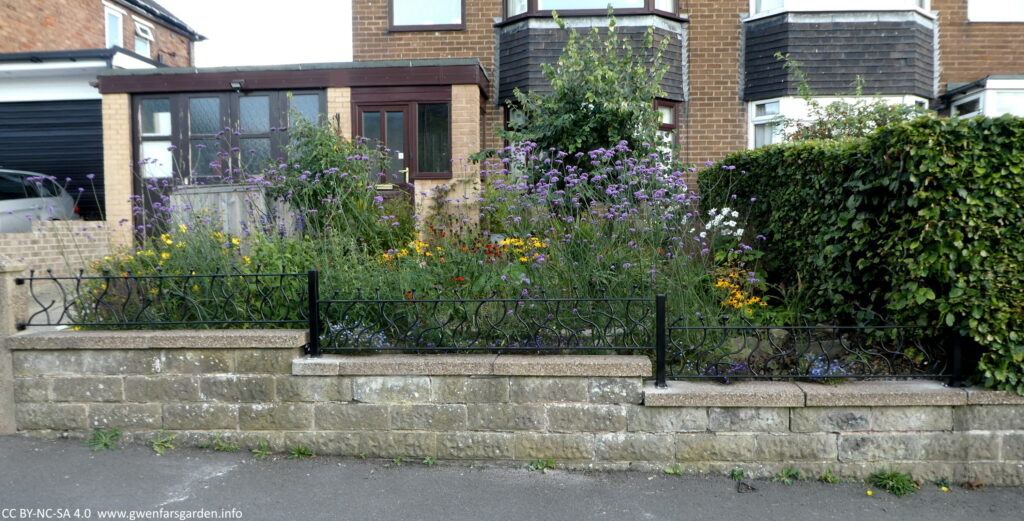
(973, 50)
(715, 118)
(117, 165)
(61, 25)
(372, 41)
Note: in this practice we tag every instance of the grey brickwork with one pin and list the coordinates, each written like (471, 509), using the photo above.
(591, 420)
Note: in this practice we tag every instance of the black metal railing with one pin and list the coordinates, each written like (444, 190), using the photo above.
(160, 301)
(439, 325)
(808, 351)
(686, 347)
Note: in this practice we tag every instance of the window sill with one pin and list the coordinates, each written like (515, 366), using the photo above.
(425, 28)
(776, 12)
(593, 12)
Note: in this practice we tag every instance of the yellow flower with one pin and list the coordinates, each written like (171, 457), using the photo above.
(945, 489)
(523, 259)
(165, 255)
(182, 228)
(870, 493)
(246, 260)
(235, 241)
(195, 287)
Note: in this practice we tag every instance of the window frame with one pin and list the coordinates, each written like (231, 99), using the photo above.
(974, 17)
(410, 98)
(754, 120)
(393, 28)
(181, 136)
(673, 127)
(850, 5)
(979, 97)
(108, 11)
(532, 10)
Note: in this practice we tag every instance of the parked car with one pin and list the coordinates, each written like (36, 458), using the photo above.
(30, 196)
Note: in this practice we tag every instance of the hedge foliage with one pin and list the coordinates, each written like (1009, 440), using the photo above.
(921, 222)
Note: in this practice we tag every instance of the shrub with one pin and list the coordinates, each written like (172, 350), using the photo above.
(602, 92)
(919, 222)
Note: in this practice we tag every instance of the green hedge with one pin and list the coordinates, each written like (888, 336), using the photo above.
(921, 222)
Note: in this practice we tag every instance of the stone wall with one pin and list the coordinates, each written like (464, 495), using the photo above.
(582, 411)
(61, 246)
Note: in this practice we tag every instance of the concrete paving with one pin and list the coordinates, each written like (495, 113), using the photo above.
(64, 474)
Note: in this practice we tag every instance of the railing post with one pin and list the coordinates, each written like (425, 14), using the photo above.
(313, 295)
(12, 310)
(661, 331)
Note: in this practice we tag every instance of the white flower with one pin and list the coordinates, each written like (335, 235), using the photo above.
(739, 231)
(731, 224)
(703, 235)
(735, 213)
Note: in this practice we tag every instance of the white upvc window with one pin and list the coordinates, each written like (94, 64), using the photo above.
(765, 128)
(766, 7)
(114, 26)
(144, 37)
(999, 97)
(995, 11)
(969, 106)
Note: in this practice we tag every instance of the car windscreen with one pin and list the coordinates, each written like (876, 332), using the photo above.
(16, 187)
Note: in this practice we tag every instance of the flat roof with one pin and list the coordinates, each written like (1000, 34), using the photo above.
(386, 73)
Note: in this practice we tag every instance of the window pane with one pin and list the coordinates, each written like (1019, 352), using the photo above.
(114, 29)
(204, 115)
(255, 154)
(204, 152)
(254, 114)
(515, 7)
(761, 6)
(766, 109)
(305, 106)
(562, 5)
(665, 5)
(667, 115)
(156, 117)
(995, 11)
(765, 134)
(158, 161)
(371, 125)
(434, 140)
(1009, 103)
(142, 46)
(427, 12)
(396, 143)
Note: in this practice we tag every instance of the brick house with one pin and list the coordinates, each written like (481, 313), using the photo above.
(431, 80)
(50, 54)
(725, 85)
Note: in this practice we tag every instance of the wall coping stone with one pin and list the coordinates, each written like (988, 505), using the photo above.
(474, 365)
(882, 393)
(715, 394)
(979, 396)
(167, 339)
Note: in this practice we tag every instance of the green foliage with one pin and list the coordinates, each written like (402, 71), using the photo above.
(397, 461)
(943, 483)
(602, 92)
(103, 440)
(428, 461)
(163, 442)
(787, 475)
(737, 474)
(920, 222)
(841, 119)
(898, 483)
(262, 450)
(300, 452)
(543, 465)
(828, 477)
(674, 470)
(218, 444)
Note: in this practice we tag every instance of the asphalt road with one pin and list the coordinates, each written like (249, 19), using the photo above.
(64, 475)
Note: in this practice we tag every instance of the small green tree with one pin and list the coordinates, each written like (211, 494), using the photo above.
(602, 92)
(841, 119)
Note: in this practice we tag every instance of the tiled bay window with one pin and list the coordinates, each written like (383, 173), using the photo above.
(209, 136)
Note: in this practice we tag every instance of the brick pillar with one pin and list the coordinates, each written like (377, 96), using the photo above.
(12, 307)
(117, 166)
(465, 182)
(339, 104)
